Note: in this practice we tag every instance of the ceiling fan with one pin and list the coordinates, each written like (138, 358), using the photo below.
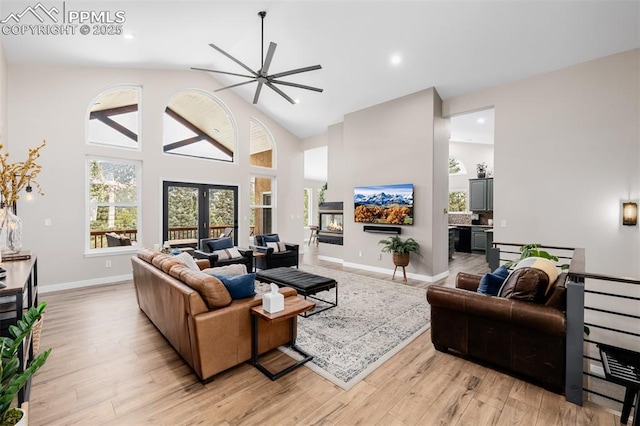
(262, 76)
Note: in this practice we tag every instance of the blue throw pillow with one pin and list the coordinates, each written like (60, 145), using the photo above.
(239, 286)
(490, 283)
(270, 239)
(220, 244)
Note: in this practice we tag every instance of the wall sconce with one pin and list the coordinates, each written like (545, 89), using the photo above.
(630, 213)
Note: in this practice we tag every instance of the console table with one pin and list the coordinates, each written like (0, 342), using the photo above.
(20, 292)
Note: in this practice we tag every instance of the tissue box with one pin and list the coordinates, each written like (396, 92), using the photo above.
(273, 302)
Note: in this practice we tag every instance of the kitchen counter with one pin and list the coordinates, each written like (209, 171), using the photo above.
(453, 225)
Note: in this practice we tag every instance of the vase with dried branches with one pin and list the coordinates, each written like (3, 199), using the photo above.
(14, 177)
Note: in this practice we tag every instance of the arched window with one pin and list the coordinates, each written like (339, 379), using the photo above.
(114, 118)
(260, 145)
(198, 125)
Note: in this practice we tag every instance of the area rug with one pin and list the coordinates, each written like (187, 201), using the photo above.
(374, 319)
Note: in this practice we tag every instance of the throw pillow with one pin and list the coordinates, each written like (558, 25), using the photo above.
(277, 246)
(219, 244)
(228, 253)
(239, 286)
(187, 260)
(526, 284)
(542, 264)
(270, 238)
(235, 269)
(490, 283)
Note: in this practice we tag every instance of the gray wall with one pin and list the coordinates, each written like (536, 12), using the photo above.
(52, 103)
(567, 150)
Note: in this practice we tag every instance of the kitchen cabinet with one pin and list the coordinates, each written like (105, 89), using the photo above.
(489, 243)
(481, 194)
(478, 239)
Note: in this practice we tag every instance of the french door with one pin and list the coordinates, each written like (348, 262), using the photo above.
(193, 211)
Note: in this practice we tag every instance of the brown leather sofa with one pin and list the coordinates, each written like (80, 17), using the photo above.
(209, 340)
(525, 338)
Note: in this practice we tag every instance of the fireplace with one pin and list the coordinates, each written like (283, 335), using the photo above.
(331, 223)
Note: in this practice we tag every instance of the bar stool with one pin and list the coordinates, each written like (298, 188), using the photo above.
(314, 234)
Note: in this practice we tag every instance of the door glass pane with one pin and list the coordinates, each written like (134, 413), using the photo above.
(221, 211)
(261, 220)
(183, 213)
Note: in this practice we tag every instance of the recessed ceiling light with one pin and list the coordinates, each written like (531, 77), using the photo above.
(480, 121)
(128, 36)
(396, 59)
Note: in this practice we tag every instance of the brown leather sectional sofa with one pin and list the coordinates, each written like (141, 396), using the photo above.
(525, 338)
(209, 340)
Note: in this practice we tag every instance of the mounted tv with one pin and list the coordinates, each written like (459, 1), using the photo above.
(384, 204)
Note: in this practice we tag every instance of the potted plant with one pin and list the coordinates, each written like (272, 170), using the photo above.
(401, 249)
(11, 378)
(481, 168)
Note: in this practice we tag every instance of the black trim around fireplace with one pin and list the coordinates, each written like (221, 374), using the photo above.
(331, 220)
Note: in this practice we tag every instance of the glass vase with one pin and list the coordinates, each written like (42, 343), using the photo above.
(10, 231)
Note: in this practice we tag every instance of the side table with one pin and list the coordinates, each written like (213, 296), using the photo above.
(622, 367)
(292, 307)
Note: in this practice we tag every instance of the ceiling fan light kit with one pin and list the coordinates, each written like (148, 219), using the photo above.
(262, 75)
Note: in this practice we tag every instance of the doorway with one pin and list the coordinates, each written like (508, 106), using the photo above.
(193, 211)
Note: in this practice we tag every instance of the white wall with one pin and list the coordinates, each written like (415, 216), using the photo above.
(567, 151)
(469, 154)
(52, 102)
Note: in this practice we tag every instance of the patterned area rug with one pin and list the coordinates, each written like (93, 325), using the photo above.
(374, 319)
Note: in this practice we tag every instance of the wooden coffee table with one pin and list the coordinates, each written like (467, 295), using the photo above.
(292, 307)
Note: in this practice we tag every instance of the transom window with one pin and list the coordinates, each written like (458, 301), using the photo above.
(114, 118)
(198, 125)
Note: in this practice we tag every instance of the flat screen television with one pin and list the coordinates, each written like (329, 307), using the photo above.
(384, 204)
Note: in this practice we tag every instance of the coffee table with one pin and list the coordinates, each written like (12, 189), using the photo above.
(306, 284)
(292, 307)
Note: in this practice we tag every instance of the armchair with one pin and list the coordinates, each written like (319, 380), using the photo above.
(274, 253)
(217, 251)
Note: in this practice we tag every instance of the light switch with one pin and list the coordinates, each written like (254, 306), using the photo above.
(47, 222)
(503, 223)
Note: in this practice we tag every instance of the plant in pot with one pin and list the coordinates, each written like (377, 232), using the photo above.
(401, 250)
(11, 378)
(481, 168)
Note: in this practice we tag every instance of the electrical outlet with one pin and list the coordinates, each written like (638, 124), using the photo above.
(360, 253)
(107, 264)
(503, 223)
(47, 222)
(379, 256)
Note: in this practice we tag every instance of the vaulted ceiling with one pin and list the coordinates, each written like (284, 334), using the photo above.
(455, 46)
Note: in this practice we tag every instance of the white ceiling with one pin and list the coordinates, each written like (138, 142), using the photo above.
(455, 46)
(474, 127)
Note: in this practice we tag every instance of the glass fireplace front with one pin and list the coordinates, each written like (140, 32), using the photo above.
(331, 222)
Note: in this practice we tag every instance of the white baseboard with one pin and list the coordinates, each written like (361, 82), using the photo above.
(330, 259)
(418, 277)
(84, 283)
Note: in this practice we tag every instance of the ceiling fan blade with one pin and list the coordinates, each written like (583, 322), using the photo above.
(233, 59)
(296, 71)
(300, 86)
(267, 62)
(258, 90)
(280, 92)
(222, 72)
(235, 85)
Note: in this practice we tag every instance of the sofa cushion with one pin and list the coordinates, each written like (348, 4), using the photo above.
(219, 244)
(239, 286)
(526, 284)
(213, 292)
(147, 254)
(227, 253)
(234, 269)
(490, 283)
(270, 238)
(187, 260)
(165, 262)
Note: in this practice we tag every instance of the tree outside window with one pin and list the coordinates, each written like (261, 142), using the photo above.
(457, 201)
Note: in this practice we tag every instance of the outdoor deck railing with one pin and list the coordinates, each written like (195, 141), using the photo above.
(98, 239)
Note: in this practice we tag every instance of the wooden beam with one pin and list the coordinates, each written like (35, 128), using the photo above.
(189, 125)
(182, 143)
(117, 110)
(114, 125)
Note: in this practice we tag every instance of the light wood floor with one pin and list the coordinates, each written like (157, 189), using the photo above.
(109, 365)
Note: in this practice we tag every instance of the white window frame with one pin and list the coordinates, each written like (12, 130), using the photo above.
(271, 206)
(88, 205)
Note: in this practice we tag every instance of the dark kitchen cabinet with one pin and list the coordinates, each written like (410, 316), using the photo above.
(478, 239)
(480, 195)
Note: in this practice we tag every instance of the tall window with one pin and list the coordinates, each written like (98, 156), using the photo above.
(261, 205)
(198, 125)
(114, 202)
(114, 118)
(457, 201)
(260, 145)
(308, 210)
